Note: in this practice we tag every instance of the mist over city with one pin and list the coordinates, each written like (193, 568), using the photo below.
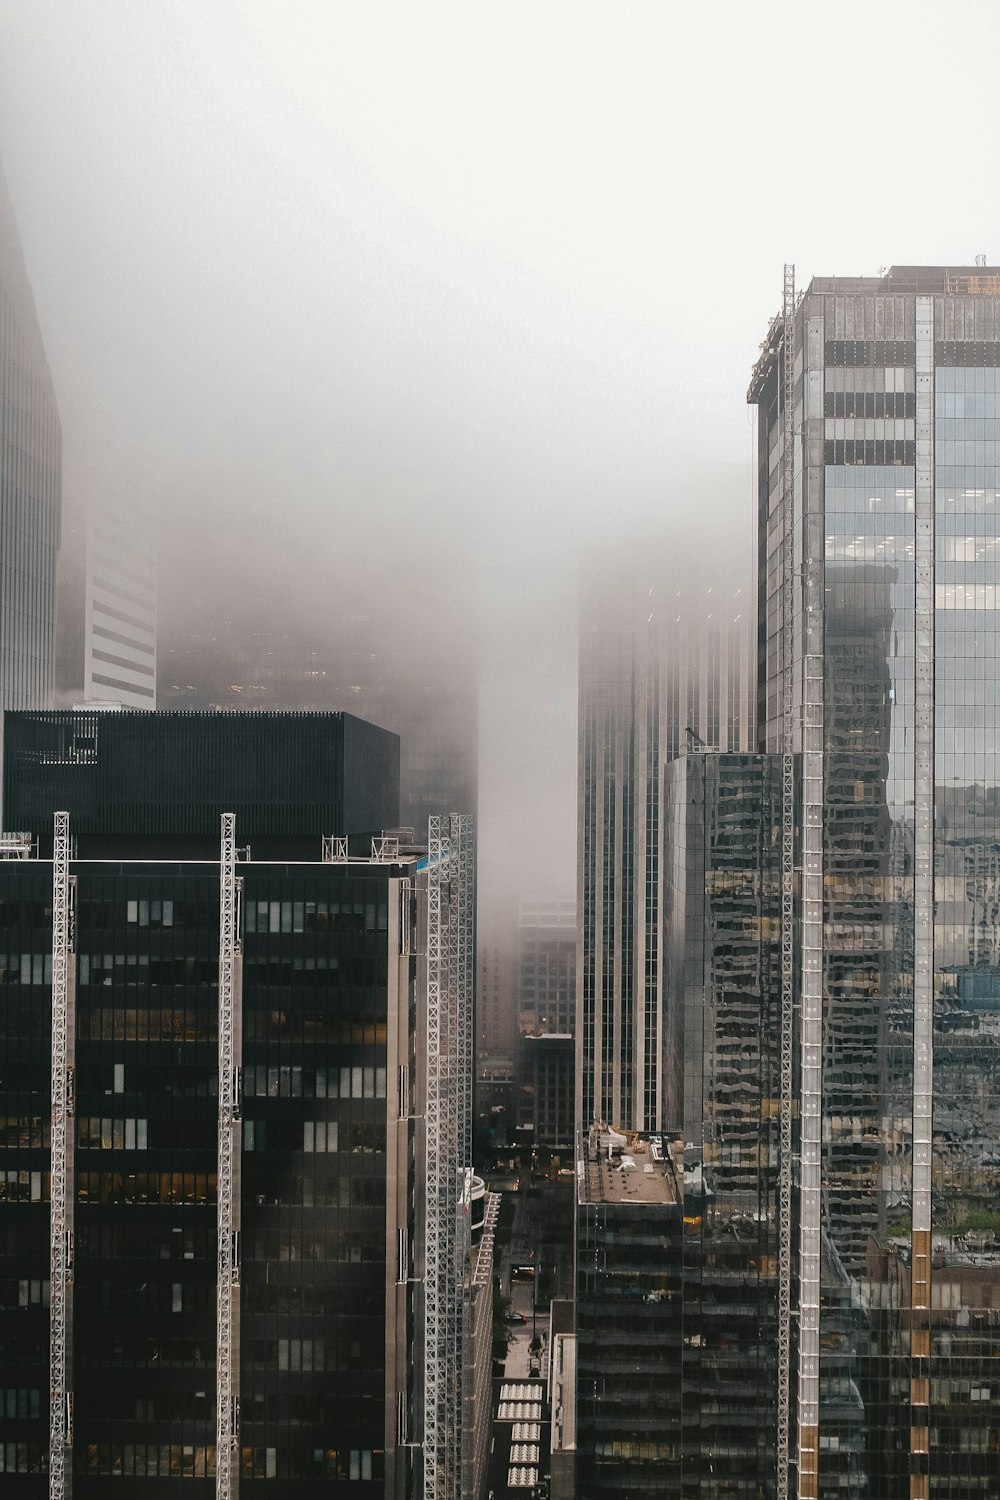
(532, 1029)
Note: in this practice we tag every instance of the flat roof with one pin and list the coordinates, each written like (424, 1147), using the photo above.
(628, 1167)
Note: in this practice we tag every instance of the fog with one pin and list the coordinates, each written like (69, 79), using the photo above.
(407, 307)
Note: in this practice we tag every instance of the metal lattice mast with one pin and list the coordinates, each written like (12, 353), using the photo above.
(785, 1168)
(811, 1024)
(463, 968)
(454, 1162)
(463, 981)
(227, 1447)
(437, 1260)
(62, 1187)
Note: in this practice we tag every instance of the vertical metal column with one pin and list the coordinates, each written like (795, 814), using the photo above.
(439, 1235)
(787, 1019)
(811, 998)
(923, 902)
(227, 1447)
(62, 1161)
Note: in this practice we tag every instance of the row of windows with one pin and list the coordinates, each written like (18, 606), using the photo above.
(327, 1463)
(20, 1402)
(23, 1458)
(141, 968)
(26, 968)
(30, 1132)
(24, 1187)
(112, 1134)
(170, 1188)
(316, 916)
(150, 1460)
(321, 1083)
(24, 1293)
(167, 1025)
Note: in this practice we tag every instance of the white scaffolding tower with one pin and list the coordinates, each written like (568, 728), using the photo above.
(450, 922)
(62, 1178)
(227, 1451)
(785, 1168)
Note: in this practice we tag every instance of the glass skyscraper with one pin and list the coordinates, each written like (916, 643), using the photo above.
(878, 639)
(661, 668)
(30, 486)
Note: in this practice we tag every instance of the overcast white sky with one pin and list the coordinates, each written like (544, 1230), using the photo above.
(467, 284)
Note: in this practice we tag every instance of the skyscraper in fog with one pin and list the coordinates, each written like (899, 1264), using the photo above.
(878, 635)
(30, 486)
(660, 667)
(107, 601)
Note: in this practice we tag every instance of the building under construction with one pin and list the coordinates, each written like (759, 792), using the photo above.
(237, 1205)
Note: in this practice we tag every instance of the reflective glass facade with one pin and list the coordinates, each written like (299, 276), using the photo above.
(659, 668)
(895, 481)
(723, 899)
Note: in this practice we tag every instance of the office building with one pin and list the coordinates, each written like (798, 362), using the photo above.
(877, 631)
(106, 625)
(546, 995)
(629, 1326)
(723, 923)
(496, 1038)
(168, 777)
(30, 486)
(238, 1205)
(660, 668)
(546, 1008)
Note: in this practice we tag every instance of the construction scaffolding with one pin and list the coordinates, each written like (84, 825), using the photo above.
(785, 1168)
(62, 1161)
(227, 1453)
(450, 899)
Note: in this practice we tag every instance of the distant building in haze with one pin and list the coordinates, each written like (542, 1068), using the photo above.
(30, 486)
(429, 697)
(546, 1019)
(660, 669)
(107, 604)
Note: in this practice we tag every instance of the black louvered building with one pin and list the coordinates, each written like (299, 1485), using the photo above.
(166, 778)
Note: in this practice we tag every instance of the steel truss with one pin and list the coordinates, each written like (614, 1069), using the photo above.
(62, 1165)
(227, 1447)
(787, 1070)
(449, 962)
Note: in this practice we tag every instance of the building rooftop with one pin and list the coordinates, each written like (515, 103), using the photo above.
(628, 1167)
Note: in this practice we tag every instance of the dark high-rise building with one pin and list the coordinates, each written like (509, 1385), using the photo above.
(30, 486)
(722, 891)
(546, 1011)
(236, 1092)
(660, 668)
(167, 777)
(878, 626)
(629, 1223)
